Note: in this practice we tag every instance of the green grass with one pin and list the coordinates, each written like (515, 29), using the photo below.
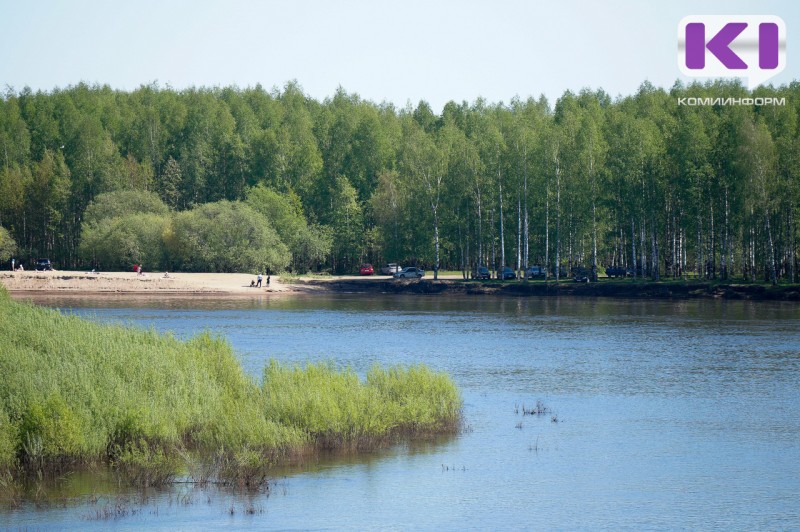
(337, 410)
(75, 392)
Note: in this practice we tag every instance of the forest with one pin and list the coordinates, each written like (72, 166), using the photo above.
(232, 179)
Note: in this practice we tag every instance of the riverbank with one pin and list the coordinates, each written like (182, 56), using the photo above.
(239, 284)
(605, 288)
(148, 283)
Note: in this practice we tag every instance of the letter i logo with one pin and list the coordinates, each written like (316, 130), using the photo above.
(749, 46)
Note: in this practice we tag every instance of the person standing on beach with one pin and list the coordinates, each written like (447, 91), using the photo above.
(13, 261)
(258, 280)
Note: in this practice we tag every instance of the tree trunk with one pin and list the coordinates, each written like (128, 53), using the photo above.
(436, 241)
(773, 277)
(712, 253)
(725, 240)
(519, 234)
(502, 232)
(633, 248)
(526, 253)
(547, 233)
(558, 220)
(594, 210)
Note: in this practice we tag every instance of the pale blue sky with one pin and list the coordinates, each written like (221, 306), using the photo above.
(384, 51)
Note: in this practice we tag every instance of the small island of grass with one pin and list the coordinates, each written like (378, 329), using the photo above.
(75, 393)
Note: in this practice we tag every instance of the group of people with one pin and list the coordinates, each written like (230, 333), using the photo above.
(258, 280)
(16, 267)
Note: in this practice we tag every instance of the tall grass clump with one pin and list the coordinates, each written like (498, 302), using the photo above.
(74, 392)
(336, 409)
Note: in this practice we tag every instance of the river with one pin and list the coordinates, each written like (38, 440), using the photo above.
(660, 414)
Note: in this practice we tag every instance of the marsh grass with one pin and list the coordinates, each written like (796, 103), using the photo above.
(75, 393)
(339, 411)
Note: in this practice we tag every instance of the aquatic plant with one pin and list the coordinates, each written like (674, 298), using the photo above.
(74, 392)
(336, 409)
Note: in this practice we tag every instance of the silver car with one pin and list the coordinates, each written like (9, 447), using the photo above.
(391, 269)
(409, 271)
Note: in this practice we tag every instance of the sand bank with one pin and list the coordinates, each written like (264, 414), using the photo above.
(148, 283)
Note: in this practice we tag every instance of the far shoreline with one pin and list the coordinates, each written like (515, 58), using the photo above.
(238, 285)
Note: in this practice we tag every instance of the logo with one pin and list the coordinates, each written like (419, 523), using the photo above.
(726, 46)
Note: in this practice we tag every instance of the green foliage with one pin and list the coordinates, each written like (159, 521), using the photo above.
(51, 430)
(8, 247)
(120, 242)
(76, 391)
(638, 181)
(124, 228)
(347, 227)
(343, 410)
(123, 203)
(145, 467)
(420, 399)
(227, 237)
(308, 244)
(8, 440)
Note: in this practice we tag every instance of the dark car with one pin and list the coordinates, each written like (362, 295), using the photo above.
(508, 273)
(481, 272)
(43, 265)
(535, 272)
(619, 271)
(366, 269)
(581, 275)
(562, 272)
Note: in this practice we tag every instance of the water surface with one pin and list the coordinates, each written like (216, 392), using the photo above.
(664, 414)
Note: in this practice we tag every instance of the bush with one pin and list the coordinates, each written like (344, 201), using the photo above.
(225, 237)
(8, 247)
(119, 243)
(123, 203)
(308, 244)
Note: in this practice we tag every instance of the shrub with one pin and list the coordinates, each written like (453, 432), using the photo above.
(8, 247)
(119, 243)
(226, 237)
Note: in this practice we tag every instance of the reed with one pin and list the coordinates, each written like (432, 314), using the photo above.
(337, 410)
(75, 392)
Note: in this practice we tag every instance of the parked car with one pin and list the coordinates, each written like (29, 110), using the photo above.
(366, 269)
(581, 275)
(508, 273)
(43, 265)
(409, 271)
(619, 271)
(481, 272)
(535, 272)
(391, 269)
(562, 272)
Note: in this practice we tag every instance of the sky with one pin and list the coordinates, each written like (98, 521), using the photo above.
(399, 52)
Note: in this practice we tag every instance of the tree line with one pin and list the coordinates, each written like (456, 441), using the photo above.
(240, 179)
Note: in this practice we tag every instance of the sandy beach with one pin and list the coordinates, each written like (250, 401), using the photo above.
(148, 283)
(227, 284)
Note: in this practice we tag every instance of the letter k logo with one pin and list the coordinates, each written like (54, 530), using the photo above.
(732, 46)
(718, 45)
